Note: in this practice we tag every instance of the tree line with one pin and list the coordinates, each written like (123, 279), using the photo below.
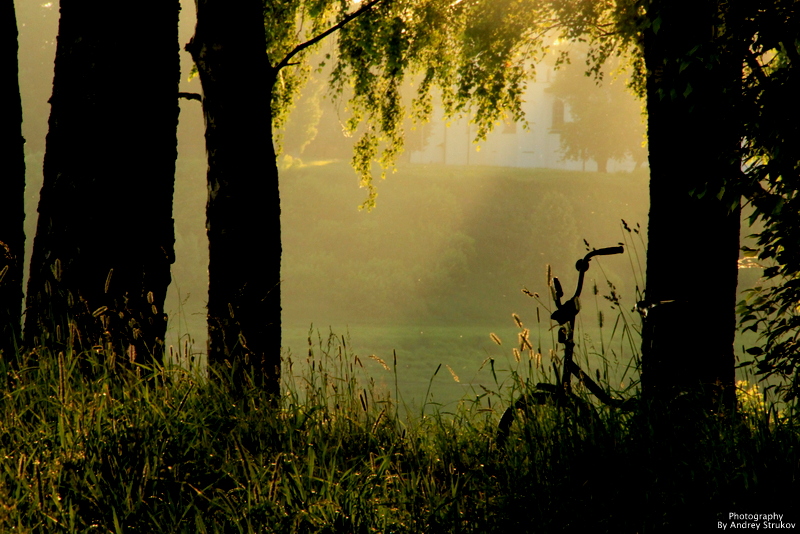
(715, 77)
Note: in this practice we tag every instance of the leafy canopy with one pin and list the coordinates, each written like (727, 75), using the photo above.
(476, 56)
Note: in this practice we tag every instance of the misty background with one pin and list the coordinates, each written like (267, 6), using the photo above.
(459, 230)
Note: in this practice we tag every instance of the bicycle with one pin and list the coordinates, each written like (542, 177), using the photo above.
(561, 392)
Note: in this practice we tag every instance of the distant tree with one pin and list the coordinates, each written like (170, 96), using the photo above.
(104, 239)
(12, 159)
(606, 118)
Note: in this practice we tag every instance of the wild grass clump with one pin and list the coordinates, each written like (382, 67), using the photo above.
(166, 450)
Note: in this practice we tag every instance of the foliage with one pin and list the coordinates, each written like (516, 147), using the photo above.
(162, 449)
(770, 181)
(475, 55)
(288, 25)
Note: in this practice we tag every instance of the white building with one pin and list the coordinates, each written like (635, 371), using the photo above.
(510, 144)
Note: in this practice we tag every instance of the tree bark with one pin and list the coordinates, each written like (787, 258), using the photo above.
(243, 211)
(105, 238)
(12, 214)
(693, 234)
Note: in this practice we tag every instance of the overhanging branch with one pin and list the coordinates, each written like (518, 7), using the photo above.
(314, 40)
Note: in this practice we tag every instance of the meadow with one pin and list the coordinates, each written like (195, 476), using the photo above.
(467, 358)
(394, 384)
(435, 268)
(363, 440)
(89, 447)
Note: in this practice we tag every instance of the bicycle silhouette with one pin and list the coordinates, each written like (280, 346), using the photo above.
(561, 392)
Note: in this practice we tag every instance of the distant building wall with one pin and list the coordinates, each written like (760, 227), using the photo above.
(509, 145)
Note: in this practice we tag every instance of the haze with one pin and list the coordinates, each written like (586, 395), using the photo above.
(456, 235)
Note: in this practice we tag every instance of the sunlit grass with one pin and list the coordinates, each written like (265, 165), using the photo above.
(363, 440)
(167, 450)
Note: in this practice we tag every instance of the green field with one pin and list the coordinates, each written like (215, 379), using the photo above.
(466, 355)
(436, 267)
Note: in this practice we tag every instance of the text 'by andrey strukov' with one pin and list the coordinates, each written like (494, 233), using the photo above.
(754, 522)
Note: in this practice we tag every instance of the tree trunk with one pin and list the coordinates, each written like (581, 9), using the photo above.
(105, 238)
(693, 234)
(243, 212)
(12, 185)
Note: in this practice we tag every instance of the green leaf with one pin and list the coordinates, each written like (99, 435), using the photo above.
(656, 24)
(755, 351)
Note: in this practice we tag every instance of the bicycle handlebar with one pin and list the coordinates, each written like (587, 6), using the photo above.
(582, 265)
(568, 310)
(608, 251)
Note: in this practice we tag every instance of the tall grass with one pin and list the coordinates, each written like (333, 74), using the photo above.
(87, 445)
(166, 450)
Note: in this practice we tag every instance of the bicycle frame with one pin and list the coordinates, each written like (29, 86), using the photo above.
(564, 315)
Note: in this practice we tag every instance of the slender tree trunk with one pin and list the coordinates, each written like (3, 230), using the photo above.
(105, 238)
(693, 233)
(12, 185)
(243, 212)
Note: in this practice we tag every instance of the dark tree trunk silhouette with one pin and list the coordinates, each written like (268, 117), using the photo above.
(693, 236)
(105, 239)
(229, 48)
(243, 211)
(12, 186)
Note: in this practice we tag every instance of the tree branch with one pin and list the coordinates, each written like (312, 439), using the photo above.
(314, 40)
(191, 96)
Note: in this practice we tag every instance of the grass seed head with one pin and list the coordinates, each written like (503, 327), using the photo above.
(380, 361)
(453, 373)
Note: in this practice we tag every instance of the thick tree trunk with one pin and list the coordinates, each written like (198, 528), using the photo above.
(693, 236)
(105, 239)
(12, 186)
(243, 212)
